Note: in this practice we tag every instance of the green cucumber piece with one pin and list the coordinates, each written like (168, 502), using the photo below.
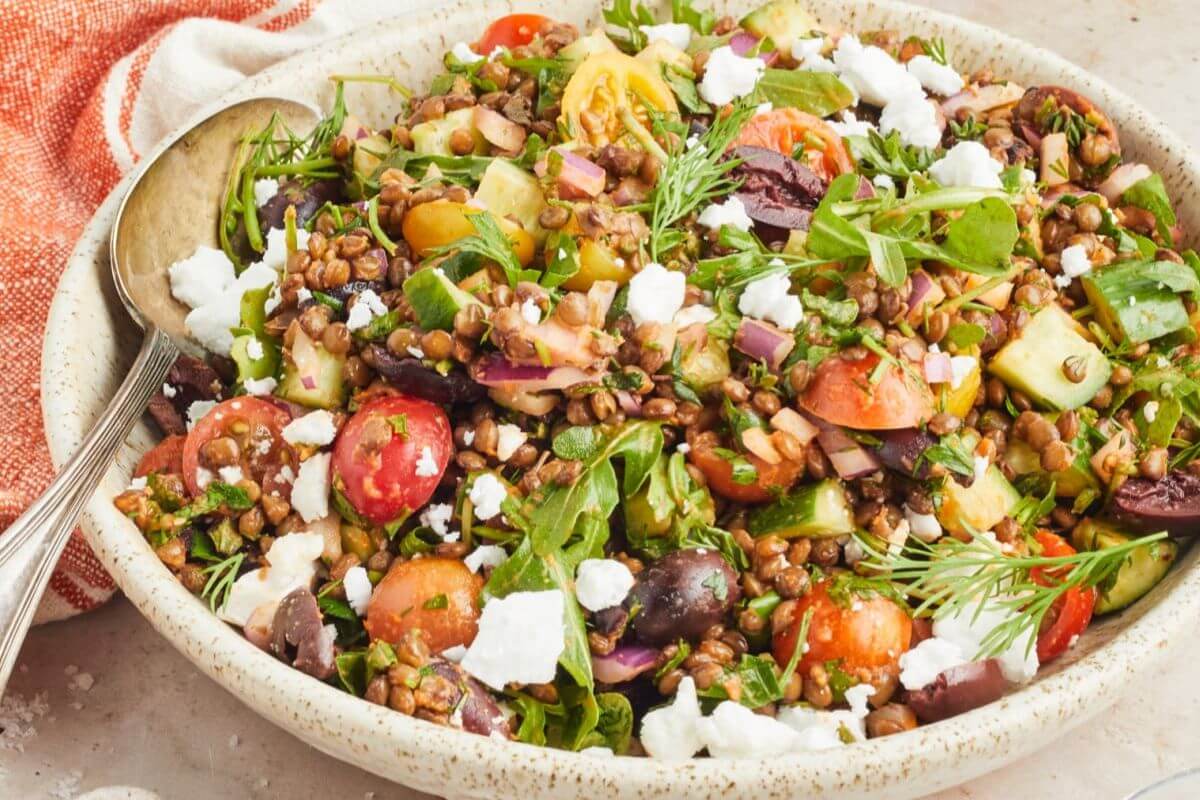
(435, 299)
(1032, 361)
(818, 510)
(432, 138)
(1140, 573)
(784, 21)
(325, 387)
(1070, 482)
(506, 190)
(1138, 302)
(979, 506)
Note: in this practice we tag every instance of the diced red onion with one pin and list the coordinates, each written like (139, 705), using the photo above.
(1054, 194)
(938, 368)
(630, 403)
(1121, 179)
(578, 179)
(849, 458)
(624, 663)
(763, 340)
(496, 370)
(866, 189)
(306, 359)
(362, 133)
(743, 43)
(1031, 135)
(498, 129)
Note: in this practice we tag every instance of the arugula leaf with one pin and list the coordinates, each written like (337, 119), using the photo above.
(951, 454)
(623, 14)
(614, 725)
(818, 93)
(533, 720)
(887, 257)
(702, 22)
(564, 263)
(965, 334)
(684, 87)
(1151, 194)
(984, 235)
(679, 384)
(836, 312)
(492, 244)
(876, 154)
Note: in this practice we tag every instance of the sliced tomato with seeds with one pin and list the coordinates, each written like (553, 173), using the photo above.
(390, 456)
(784, 129)
(164, 457)
(1071, 613)
(511, 31)
(255, 427)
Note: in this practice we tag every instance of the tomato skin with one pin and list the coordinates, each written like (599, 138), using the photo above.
(772, 478)
(783, 128)
(511, 31)
(869, 634)
(1071, 612)
(841, 393)
(382, 484)
(262, 416)
(164, 457)
(398, 603)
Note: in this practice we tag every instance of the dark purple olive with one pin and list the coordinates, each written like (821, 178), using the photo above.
(1172, 504)
(412, 377)
(299, 629)
(192, 380)
(479, 711)
(681, 595)
(957, 690)
(306, 199)
(779, 193)
(901, 450)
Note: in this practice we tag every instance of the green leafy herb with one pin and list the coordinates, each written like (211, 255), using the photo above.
(965, 334)
(565, 260)
(703, 22)
(399, 423)
(683, 84)
(625, 15)
(818, 93)
(716, 584)
(436, 603)
(840, 313)
(951, 454)
(679, 383)
(221, 577)
(682, 651)
(880, 155)
(492, 244)
(742, 471)
(217, 494)
(1151, 194)
(970, 129)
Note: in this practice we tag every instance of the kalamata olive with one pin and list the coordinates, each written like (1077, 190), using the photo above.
(192, 380)
(437, 596)
(957, 690)
(901, 450)
(298, 628)
(681, 595)
(1171, 504)
(306, 199)
(479, 711)
(412, 377)
(779, 193)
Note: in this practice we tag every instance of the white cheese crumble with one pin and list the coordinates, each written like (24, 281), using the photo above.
(883, 181)
(655, 294)
(914, 118)
(292, 564)
(734, 731)
(203, 477)
(938, 78)
(310, 492)
(455, 653)
(967, 164)
(259, 387)
(416, 352)
(1150, 411)
(202, 277)
(981, 465)
(314, 428)
(671, 732)
(530, 311)
(732, 213)
(851, 125)
(358, 589)
(137, 484)
(486, 495)
(210, 322)
(426, 465)
(874, 75)
(968, 628)
(230, 475)
(602, 583)
(168, 390)
(921, 665)
(827, 730)
(463, 52)
(486, 555)
(254, 348)
(764, 108)
(197, 411)
(275, 254)
(264, 190)
(960, 368)
(807, 53)
(1075, 262)
(676, 34)
(437, 517)
(519, 641)
(923, 526)
(367, 306)
(768, 299)
(728, 76)
(508, 438)
(691, 315)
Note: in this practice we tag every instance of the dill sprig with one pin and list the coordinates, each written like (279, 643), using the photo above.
(221, 577)
(953, 577)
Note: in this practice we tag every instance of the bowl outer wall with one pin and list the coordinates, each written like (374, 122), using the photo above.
(90, 343)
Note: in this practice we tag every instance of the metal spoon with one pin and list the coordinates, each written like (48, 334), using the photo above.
(171, 209)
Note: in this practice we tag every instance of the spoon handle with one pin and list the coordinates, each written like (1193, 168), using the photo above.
(29, 549)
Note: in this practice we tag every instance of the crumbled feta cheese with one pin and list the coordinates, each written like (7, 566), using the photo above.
(468, 438)
(691, 315)
(602, 583)
(923, 526)
(210, 323)
(168, 390)
(1028, 177)
(764, 108)
(914, 117)
(437, 518)
(803, 48)
(314, 428)
(981, 465)
(259, 387)
(416, 352)
(286, 473)
(486, 555)
(367, 306)
(921, 665)
(728, 76)
(883, 181)
(509, 437)
(303, 295)
(872, 74)
(671, 733)
(851, 125)
(732, 212)
(137, 484)
(230, 474)
(967, 164)
(358, 589)
(455, 653)
(519, 641)
(254, 348)
(734, 731)
(853, 552)
(426, 465)
(768, 299)
(203, 477)
(655, 294)
(202, 277)
(960, 368)
(1150, 411)
(292, 564)
(683, 447)
(463, 52)
(530, 311)
(198, 410)
(276, 253)
(486, 495)
(968, 628)
(264, 190)
(857, 697)
(678, 35)
(827, 730)
(310, 492)
(934, 77)
(1075, 262)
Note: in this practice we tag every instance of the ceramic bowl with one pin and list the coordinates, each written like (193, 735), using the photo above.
(90, 343)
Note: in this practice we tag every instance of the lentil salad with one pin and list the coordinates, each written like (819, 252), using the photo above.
(818, 412)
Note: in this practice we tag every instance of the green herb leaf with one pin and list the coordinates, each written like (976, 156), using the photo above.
(564, 262)
(818, 93)
(1151, 194)
(436, 603)
(399, 423)
(965, 334)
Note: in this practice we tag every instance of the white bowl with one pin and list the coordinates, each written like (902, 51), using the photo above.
(90, 343)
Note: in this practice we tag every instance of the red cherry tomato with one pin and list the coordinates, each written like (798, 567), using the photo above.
(771, 481)
(511, 31)
(256, 426)
(782, 129)
(1071, 613)
(380, 461)
(842, 392)
(402, 602)
(164, 457)
(866, 633)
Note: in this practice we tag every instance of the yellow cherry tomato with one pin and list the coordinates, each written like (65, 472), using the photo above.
(597, 262)
(960, 401)
(431, 225)
(606, 99)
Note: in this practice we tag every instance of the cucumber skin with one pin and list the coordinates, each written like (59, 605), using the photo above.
(816, 511)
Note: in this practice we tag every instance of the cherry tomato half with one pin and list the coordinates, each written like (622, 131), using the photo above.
(1071, 613)
(256, 426)
(164, 457)
(390, 456)
(866, 633)
(783, 129)
(511, 31)
(772, 478)
(842, 393)
(438, 596)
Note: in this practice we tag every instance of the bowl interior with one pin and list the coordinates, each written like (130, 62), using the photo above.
(90, 344)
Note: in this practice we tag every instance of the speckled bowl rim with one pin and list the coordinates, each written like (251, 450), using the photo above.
(89, 343)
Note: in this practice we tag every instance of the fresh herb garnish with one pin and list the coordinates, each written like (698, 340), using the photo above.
(221, 577)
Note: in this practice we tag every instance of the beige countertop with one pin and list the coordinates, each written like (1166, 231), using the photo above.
(103, 701)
